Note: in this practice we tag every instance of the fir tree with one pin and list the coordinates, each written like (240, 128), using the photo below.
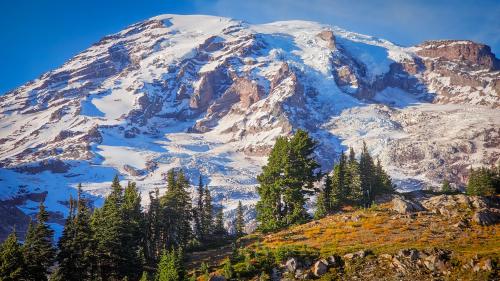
(67, 257)
(218, 228)
(198, 211)
(228, 269)
(321, 209)
(108, 228)
(38, 251)
(383, 183)
(144, 276)
(445, 187)
(167, 269)
(285, 180)
(366, 168)
(75, 245)
(207, 219)
(12, 265)
(482, 182)
(340, 189)
(152, 243)
(132, 236)
(240, 221)
(176, 214)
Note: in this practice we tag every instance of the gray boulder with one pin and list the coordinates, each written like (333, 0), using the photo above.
(405, 206)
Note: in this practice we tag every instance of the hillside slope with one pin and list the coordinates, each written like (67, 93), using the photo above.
(443, 241)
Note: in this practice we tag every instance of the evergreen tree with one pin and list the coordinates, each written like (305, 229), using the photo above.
(340, 190)
(285, 180)
(38, 251)
(66, 257)
(240, 221)
(482, 182)
(176, 212)
(109, 229)
(207, 219)
(144, 276)
(445, 187)
(383, 183)
(12, 265)
(321, 209)
(152, 241)
(228, 269)
(367, 170)
(198, 211)
(353, 176)
(218, 228)
(75, 245)
(324, 204)
(132, 236)
(167, 269)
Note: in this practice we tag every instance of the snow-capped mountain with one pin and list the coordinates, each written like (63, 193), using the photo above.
(211, 94)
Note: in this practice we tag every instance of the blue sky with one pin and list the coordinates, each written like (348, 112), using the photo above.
(37, 36)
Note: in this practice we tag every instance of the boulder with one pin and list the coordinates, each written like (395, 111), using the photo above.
(292, 265)
(485, 217)
(334, 261)
(404, 206)
(320, 267)
(437, 261)
(358, 254)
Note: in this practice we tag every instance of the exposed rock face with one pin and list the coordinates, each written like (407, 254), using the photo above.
(327, 36)
(477, 55)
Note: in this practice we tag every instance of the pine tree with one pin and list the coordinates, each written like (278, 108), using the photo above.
(75, 245)
(207, 219)
(321, 209)
(108, 228)
(144, 276)
(445, 187)
(152, 241)
(218, 229)
(353, 176)
(285, 180)
(340, 189)
(482, 182)
(198, 211)
(240, 221)
(38, 251)
(300, 173)
(12, 265)
(132, 236)
(383, 183)
(324, 204)
(228, 269)
(270, 213)
(176, 214)
(366, 168)
(167, 269)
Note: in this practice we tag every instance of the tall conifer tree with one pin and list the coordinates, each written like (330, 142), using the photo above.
(38, 251)
(12, 265)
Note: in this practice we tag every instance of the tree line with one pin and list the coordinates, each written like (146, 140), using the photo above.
(292, 172)
(120, 240)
